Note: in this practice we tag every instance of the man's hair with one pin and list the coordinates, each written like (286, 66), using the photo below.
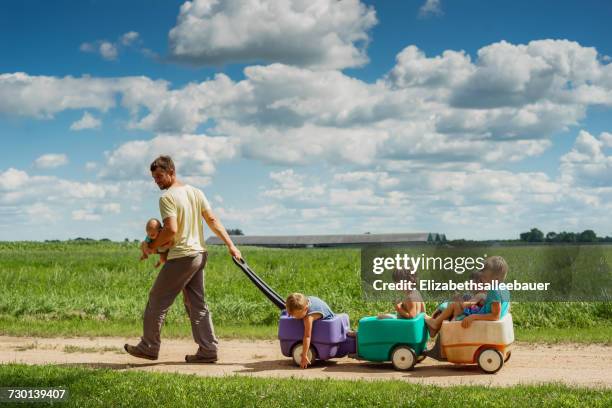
(163, 162)
(498, 267)
(295, 302)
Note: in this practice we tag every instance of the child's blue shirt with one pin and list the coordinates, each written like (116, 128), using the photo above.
(502, 296)
(316, 305)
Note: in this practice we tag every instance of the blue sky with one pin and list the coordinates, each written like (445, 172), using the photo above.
(473, 118)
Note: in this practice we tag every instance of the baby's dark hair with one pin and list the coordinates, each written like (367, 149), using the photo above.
(476, 276)
(156, 221)
(404, 275)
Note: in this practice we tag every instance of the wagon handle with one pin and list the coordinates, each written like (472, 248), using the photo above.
(274, 297)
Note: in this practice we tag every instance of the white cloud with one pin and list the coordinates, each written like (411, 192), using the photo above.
(12, 179)
(493, 203)
(587, 164)
(129, 38)
(289, 115)
(43, 96)
(606, 139)
(40, 212)
(89, 166)
(109, 50)
(431, 8)
(114, 208)
(87, 47)
(194, 155)
(21, 188)
(559, 71)
(185, 109)
(87, 121)
(85, 215)
(381, 179)
(317, 33)
(414, 69)
(51, 160)
(31, 199)
(290, 187)
(303, 145)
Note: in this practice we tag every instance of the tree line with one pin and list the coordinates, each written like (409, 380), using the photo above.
(535, 235)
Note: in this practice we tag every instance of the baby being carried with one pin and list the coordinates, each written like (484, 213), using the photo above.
(153, 228)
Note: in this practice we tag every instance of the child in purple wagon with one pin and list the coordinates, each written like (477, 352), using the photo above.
(308, 309)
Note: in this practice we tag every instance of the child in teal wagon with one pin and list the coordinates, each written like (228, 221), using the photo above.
(496, 303)
(411, 304)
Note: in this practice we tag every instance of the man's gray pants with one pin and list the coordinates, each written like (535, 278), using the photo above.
(184, 274)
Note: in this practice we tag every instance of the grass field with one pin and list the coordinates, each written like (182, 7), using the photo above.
(106, 388)
(84, 288)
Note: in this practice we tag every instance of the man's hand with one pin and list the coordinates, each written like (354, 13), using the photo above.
(305, 361)
(467, 321)
(235, 252)
(159, 263)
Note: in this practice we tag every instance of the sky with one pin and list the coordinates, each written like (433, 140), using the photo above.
(476, 119)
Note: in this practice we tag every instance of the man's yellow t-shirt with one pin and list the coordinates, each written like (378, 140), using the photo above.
(186, 204)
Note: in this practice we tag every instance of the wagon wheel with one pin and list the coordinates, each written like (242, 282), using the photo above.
(421, 358)
(507, 357)
(490, 360)
(296, 353)
(403, 358)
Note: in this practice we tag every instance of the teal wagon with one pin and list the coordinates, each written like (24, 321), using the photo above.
(401, 341)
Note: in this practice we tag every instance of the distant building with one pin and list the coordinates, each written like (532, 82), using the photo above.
(311, 241)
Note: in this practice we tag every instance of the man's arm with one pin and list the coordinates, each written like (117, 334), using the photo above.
(166, 234)
(215, 225)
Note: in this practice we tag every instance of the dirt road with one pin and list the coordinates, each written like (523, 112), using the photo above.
(581, 365)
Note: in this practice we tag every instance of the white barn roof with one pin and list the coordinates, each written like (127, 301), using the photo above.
(324, 240)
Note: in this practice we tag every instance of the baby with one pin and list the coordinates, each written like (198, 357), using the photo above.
(412, 303)
(476, 302)
(308, 309)
(473, 301)
(152, 228)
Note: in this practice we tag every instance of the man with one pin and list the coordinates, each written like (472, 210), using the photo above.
(181, 207)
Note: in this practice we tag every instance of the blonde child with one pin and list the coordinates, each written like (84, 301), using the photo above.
(308, 309)
(412, 303)
(495, 306)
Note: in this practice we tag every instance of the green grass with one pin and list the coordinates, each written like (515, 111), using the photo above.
(601, 335)
(179, 328)
(101, 289)
(106, 388)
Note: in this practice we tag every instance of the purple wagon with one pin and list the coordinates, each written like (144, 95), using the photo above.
(329, 337)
